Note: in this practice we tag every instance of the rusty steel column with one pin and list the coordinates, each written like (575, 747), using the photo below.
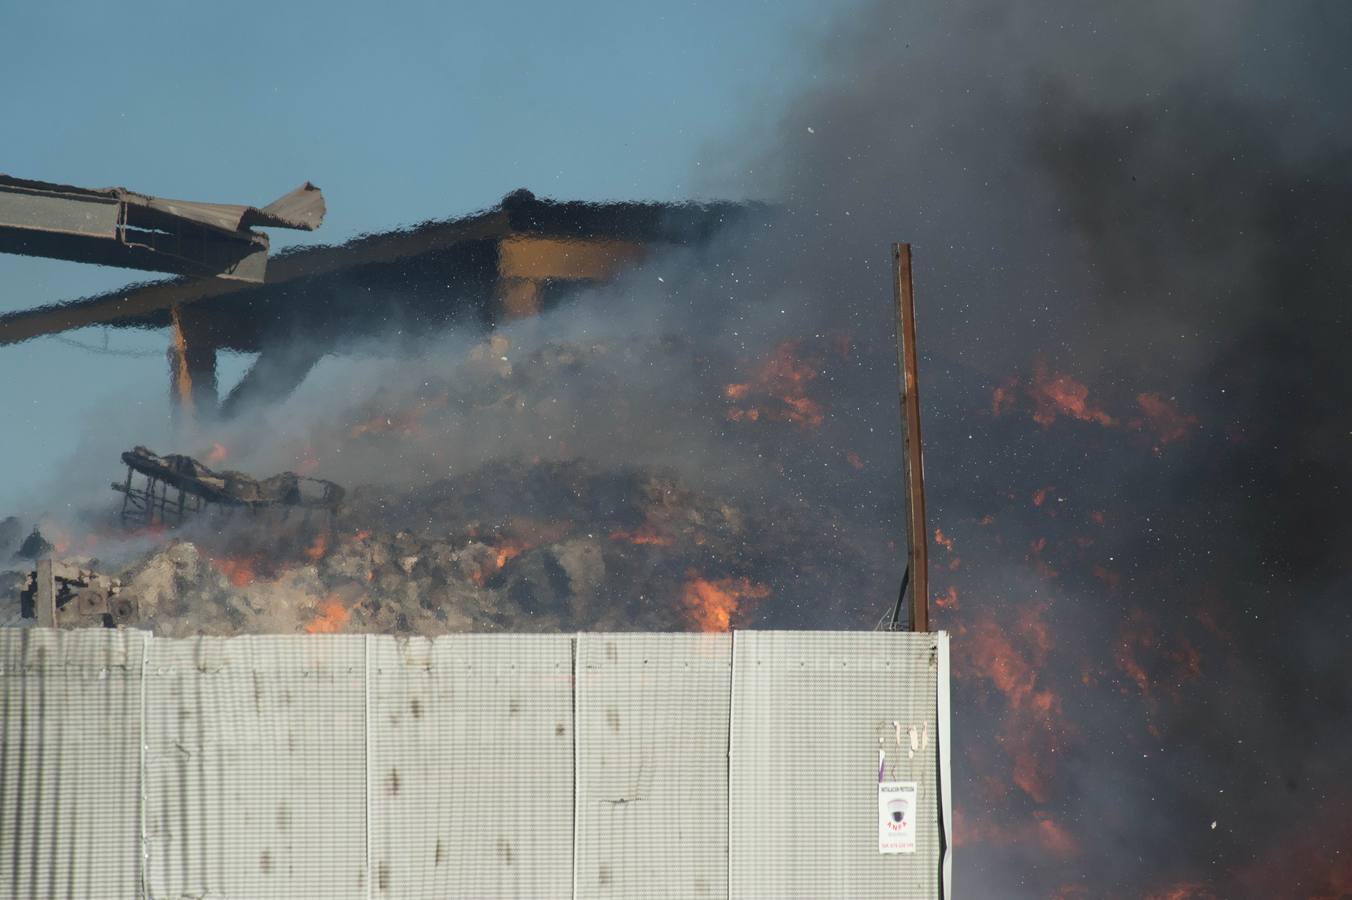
(913, 467)
(192, 366)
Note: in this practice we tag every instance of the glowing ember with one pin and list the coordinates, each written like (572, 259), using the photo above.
(1163, 418)
(644, 535)
(1188, 890)
(239, 572)
(317, 548)
(711, 604)
(1056, 395)
(331, 618)
(942, 541)
(508, 550)
(782, 381)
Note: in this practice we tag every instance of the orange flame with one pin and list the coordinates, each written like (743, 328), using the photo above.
(1056, 395)
(1163, 418)
(318, 547)
(783, 379)
(643, 535)
(711, 604)
(239, 572)
(508, 550)
(217, 454)
(331, 618)
(1187, 890)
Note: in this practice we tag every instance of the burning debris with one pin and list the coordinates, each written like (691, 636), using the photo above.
(519, 546)
(197, 486)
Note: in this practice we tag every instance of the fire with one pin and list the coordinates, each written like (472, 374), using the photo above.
(644, 535)
(217, 454)
(783, 380)
(711, 604)
(239, 572)
(1163, 418)
(1040, 495)
(948, 599)
(508, 550)
(360, 536)
(1011, 657)
(1172, 657)
(1056, 395)
(1188, 890)
(317, 548)
(331, 618)
(942, 541)
(853, 459)
(1003, 397)
(1056, 839)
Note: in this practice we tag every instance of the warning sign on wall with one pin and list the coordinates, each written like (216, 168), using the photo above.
(896, 816)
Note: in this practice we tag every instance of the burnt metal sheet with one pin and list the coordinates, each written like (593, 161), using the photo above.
(652, 765)
(471, 766)
(71, 213)
(117, 227)
(810, 713)
(404, 272)
(302, 208)
(70, 735)
(255, 768)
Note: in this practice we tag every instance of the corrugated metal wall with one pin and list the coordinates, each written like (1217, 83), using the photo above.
(475, 766)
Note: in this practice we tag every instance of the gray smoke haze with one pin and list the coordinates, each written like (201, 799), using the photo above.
(1151, 200)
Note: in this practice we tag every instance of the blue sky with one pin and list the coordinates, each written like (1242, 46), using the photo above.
(401, 112)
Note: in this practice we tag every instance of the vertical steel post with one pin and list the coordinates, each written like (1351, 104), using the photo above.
(913, 468)
(44, 598)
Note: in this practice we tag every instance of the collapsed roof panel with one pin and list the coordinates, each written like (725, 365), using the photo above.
(432, 272)
(118, 227)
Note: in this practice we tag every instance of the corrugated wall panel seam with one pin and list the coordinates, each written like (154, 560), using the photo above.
(143, 849)
(732, 729)
(577, 791)
(369, 880)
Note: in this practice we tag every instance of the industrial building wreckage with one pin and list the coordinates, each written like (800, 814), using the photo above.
(876, 739)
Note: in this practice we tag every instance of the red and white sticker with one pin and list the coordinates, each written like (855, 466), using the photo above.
(896, 816)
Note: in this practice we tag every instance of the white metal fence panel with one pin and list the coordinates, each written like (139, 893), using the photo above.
(255, 768)
(471, 768)
(652, 765)
(810, 713)
(70, 734)
(368, 768)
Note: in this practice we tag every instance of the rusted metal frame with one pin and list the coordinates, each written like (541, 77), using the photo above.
(917, 537)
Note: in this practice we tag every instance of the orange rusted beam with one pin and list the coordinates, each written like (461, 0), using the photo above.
(917, 537)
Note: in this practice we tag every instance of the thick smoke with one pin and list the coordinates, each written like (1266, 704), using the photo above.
(1131, 228)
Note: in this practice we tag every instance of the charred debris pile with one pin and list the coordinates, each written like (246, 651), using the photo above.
(510, 542)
